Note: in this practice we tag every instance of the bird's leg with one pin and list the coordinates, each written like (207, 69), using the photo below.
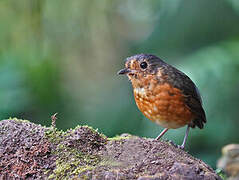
(185, 138)
(162, 133)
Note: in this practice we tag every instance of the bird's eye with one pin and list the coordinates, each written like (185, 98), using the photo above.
(143, 65)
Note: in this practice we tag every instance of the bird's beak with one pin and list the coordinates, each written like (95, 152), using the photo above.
(124, 71)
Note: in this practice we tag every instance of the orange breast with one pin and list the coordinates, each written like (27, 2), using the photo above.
(164, 105)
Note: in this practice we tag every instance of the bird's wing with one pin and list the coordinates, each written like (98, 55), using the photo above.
(192, 95)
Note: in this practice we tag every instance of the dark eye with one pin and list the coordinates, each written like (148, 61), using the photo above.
(143, 65)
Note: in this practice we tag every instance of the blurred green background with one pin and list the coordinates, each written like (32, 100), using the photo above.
(62, 56)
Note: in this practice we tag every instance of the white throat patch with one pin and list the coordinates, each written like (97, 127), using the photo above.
(140, 91)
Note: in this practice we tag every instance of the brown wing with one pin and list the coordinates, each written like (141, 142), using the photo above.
(196, 108)
(192, 97)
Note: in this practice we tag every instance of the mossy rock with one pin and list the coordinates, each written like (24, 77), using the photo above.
(30, 151)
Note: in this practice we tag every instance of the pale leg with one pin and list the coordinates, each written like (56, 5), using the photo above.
(162, 133)
(185, 138)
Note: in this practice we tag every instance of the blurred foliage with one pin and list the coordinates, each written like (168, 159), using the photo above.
(62, 56)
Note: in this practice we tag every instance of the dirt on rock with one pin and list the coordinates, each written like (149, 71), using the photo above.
(30, 151)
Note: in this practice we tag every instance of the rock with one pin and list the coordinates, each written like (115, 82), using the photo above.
(229, 162)
(30, 151)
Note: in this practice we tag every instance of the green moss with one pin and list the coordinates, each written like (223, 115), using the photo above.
(222, 174)
(93, 130)
(83, 169)
(18, 120)
(55, 136)
(70, 162)
(109, 163)
(118, 138)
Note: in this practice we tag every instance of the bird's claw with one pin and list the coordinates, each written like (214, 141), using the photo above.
(175, 145)
(181, 147)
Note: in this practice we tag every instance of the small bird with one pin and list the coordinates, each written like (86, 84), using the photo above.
(164, 94)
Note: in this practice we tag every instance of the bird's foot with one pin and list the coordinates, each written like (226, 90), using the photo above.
(175, 145)
(181, 147)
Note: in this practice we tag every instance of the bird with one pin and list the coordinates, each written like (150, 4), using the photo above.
(164, 94)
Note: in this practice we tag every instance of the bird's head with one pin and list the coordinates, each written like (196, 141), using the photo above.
(140, 66)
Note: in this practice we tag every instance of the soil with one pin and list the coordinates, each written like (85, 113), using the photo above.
(30, 151)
